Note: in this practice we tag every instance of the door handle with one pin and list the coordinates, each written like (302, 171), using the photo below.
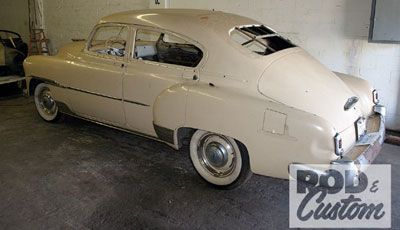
(190, 77)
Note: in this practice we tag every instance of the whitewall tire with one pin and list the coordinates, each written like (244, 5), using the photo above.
(220, 160)
(45, 103)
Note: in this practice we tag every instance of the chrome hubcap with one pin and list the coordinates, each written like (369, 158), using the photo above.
(216, 155)
(47, 103)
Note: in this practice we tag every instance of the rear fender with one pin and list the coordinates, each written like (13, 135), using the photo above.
(362, 89)
(169, 112)
(304, 138)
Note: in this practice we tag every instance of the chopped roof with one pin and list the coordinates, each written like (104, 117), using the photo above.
(189, 22)
(209, 28)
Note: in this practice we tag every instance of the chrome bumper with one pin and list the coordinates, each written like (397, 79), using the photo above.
(372, 150)
(360, 156)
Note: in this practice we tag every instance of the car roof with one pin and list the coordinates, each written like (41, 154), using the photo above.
(196, 24)
(208, 28)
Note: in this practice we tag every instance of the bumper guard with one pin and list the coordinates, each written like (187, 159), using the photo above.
(362, 153)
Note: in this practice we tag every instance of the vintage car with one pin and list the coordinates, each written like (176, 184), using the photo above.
(248, 99)
(13, 51)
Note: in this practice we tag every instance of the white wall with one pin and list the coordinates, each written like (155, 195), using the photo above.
(334, 31)
(14, 16)
(67, 19)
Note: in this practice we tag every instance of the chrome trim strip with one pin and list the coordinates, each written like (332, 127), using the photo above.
(106, 96)
(92, 93)
(54, 83)
(72, 114)
(66, 110)
(135, 102)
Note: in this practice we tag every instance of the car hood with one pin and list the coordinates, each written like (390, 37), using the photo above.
(298, 80)
(72, 49)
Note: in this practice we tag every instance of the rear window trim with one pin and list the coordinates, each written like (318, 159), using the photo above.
(255, 38)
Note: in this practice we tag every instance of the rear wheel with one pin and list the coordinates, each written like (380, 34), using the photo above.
(45, 103)
(220, 160)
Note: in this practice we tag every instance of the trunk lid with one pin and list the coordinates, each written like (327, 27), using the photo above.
(298, 80)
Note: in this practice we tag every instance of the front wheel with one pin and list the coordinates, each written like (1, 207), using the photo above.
(220, 160)
(45, 103)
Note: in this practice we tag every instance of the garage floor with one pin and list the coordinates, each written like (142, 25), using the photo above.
(76, 174)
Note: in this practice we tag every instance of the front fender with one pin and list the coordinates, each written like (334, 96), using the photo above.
(48, 68)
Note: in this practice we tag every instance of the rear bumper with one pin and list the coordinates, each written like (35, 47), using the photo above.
(372, 150)
(361, 154)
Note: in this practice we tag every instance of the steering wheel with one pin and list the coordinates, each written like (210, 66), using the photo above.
(115, 39)
(12, 41)
(9, 36)
(10, 32)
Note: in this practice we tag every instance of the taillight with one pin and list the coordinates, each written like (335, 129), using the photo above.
(375, 97)
(338, 145)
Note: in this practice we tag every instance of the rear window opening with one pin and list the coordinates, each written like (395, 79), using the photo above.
(260, 39)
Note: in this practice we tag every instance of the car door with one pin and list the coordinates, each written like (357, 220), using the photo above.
(156, 65)
(96, 82)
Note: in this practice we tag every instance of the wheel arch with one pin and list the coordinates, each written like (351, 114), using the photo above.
(222, 111)
(175, 107)
(183, 136)
(169, 111)
(48, 69)
(33, 81)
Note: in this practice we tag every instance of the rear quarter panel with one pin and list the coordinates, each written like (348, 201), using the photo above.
(306, 138)
(362, 89)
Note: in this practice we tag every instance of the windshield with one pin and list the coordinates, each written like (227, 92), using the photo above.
(260, 39)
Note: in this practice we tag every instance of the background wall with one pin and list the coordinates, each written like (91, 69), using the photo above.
(67, 19)
(14, 16)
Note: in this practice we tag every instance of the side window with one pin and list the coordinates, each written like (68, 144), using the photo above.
(166, 48)
(109, 40)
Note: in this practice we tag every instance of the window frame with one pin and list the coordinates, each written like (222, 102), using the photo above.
(253, 38)
(132, 57)
(107, 56)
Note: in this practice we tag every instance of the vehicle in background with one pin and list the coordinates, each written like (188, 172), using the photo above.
(13, 51)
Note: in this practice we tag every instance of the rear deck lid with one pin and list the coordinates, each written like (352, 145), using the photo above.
(298, 80)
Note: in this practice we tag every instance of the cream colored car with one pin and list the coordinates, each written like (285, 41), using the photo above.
(248, 99)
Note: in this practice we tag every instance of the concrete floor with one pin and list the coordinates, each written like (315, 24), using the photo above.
(80, 175)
